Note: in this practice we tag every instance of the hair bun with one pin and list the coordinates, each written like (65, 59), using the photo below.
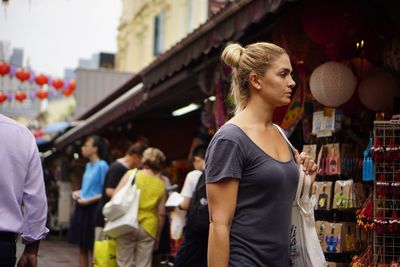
(231, 55)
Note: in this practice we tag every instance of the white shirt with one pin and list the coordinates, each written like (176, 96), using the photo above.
(190, 183)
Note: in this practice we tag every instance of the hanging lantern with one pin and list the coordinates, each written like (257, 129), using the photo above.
(22, 75)
(3, 97)
(42, 94)
(70, 89)
(41, 79)
(71, 85)
(4, 68)
(330, 22)
(57, 83)
(361, 66)
(378, 90)
(20, 96)
(391, 55)
(332, 84)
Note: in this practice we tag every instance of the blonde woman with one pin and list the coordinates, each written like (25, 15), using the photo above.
(136, 249)
(251, 172)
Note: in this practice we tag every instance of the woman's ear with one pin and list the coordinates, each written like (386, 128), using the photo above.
(254, 81)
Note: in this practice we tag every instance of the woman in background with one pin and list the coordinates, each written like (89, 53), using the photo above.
(136, 249)
(81, 231)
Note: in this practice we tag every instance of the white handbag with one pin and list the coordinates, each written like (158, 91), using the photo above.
(121, 201)
(305, 248)
(128, 222)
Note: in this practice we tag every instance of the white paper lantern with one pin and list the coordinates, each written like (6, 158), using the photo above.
(332, 84)
(377, 91)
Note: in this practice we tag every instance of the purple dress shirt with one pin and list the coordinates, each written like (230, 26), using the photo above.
(21, 183)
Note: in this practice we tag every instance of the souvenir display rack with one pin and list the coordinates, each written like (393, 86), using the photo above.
(386, 154)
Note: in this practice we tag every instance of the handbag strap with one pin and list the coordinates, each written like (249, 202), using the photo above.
(301, 172)
(132, 178)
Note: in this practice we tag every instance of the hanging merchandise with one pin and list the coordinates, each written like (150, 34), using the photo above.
(386, 243)
(368, 164)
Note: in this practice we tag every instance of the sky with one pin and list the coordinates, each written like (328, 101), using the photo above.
(56, 33)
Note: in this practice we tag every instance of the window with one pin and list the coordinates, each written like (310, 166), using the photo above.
(159, 27)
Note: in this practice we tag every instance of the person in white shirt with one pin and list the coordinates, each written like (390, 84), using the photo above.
(193, 250)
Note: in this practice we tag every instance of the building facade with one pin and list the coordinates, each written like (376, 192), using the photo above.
(150, 27)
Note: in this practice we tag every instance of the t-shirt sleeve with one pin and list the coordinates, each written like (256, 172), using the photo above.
(224, 159)
(190, 183)
(114, 175)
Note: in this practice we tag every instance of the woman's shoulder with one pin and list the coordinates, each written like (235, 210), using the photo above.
(150, 179)
(230, 132)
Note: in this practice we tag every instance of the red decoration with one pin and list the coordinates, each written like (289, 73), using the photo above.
(20, 96)
(22, 75)
(57, 83)
(41, 79)
(333, 24)
(4, 68)
(42, 94)
(71, 85)
(3, 97)
(38, 133)
(70, 90)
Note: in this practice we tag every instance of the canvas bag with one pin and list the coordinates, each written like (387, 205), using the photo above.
(123, 199)
(305, 247)
(128, 222)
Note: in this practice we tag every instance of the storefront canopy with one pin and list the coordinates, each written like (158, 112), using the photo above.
(165, 72)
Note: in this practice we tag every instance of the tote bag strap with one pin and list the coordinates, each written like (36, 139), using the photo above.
(132, 178)
(301, 173)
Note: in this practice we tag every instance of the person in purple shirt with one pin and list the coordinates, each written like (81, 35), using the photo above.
(81, 230)
(21, 186)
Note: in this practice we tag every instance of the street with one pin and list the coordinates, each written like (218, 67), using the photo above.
(56, 253)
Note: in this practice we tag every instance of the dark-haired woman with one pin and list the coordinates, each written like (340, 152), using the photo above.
(81, 231)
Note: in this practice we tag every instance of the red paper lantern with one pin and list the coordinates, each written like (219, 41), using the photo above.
(20, 96)
(378, 90)
(70, 90)
(42, 94)
(57, 83)
(330, 22)
(71, 85)
(22, 75)
(3, 97)
(4, 68)
(41, 79)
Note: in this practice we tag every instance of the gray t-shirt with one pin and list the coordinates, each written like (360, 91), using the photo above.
(260, 231)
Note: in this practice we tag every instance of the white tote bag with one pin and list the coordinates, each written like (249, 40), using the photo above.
(122, 201)
(128, 222)
(305, 248)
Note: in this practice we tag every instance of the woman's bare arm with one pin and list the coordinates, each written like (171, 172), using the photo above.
(222, 197)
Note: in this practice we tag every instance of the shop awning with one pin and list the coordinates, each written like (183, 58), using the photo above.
(227, 25)
(129, 100)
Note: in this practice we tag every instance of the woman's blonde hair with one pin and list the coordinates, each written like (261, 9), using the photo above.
(153, 158)
(254, 58)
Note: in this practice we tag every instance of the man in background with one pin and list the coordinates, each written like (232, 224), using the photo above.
(21, 186)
